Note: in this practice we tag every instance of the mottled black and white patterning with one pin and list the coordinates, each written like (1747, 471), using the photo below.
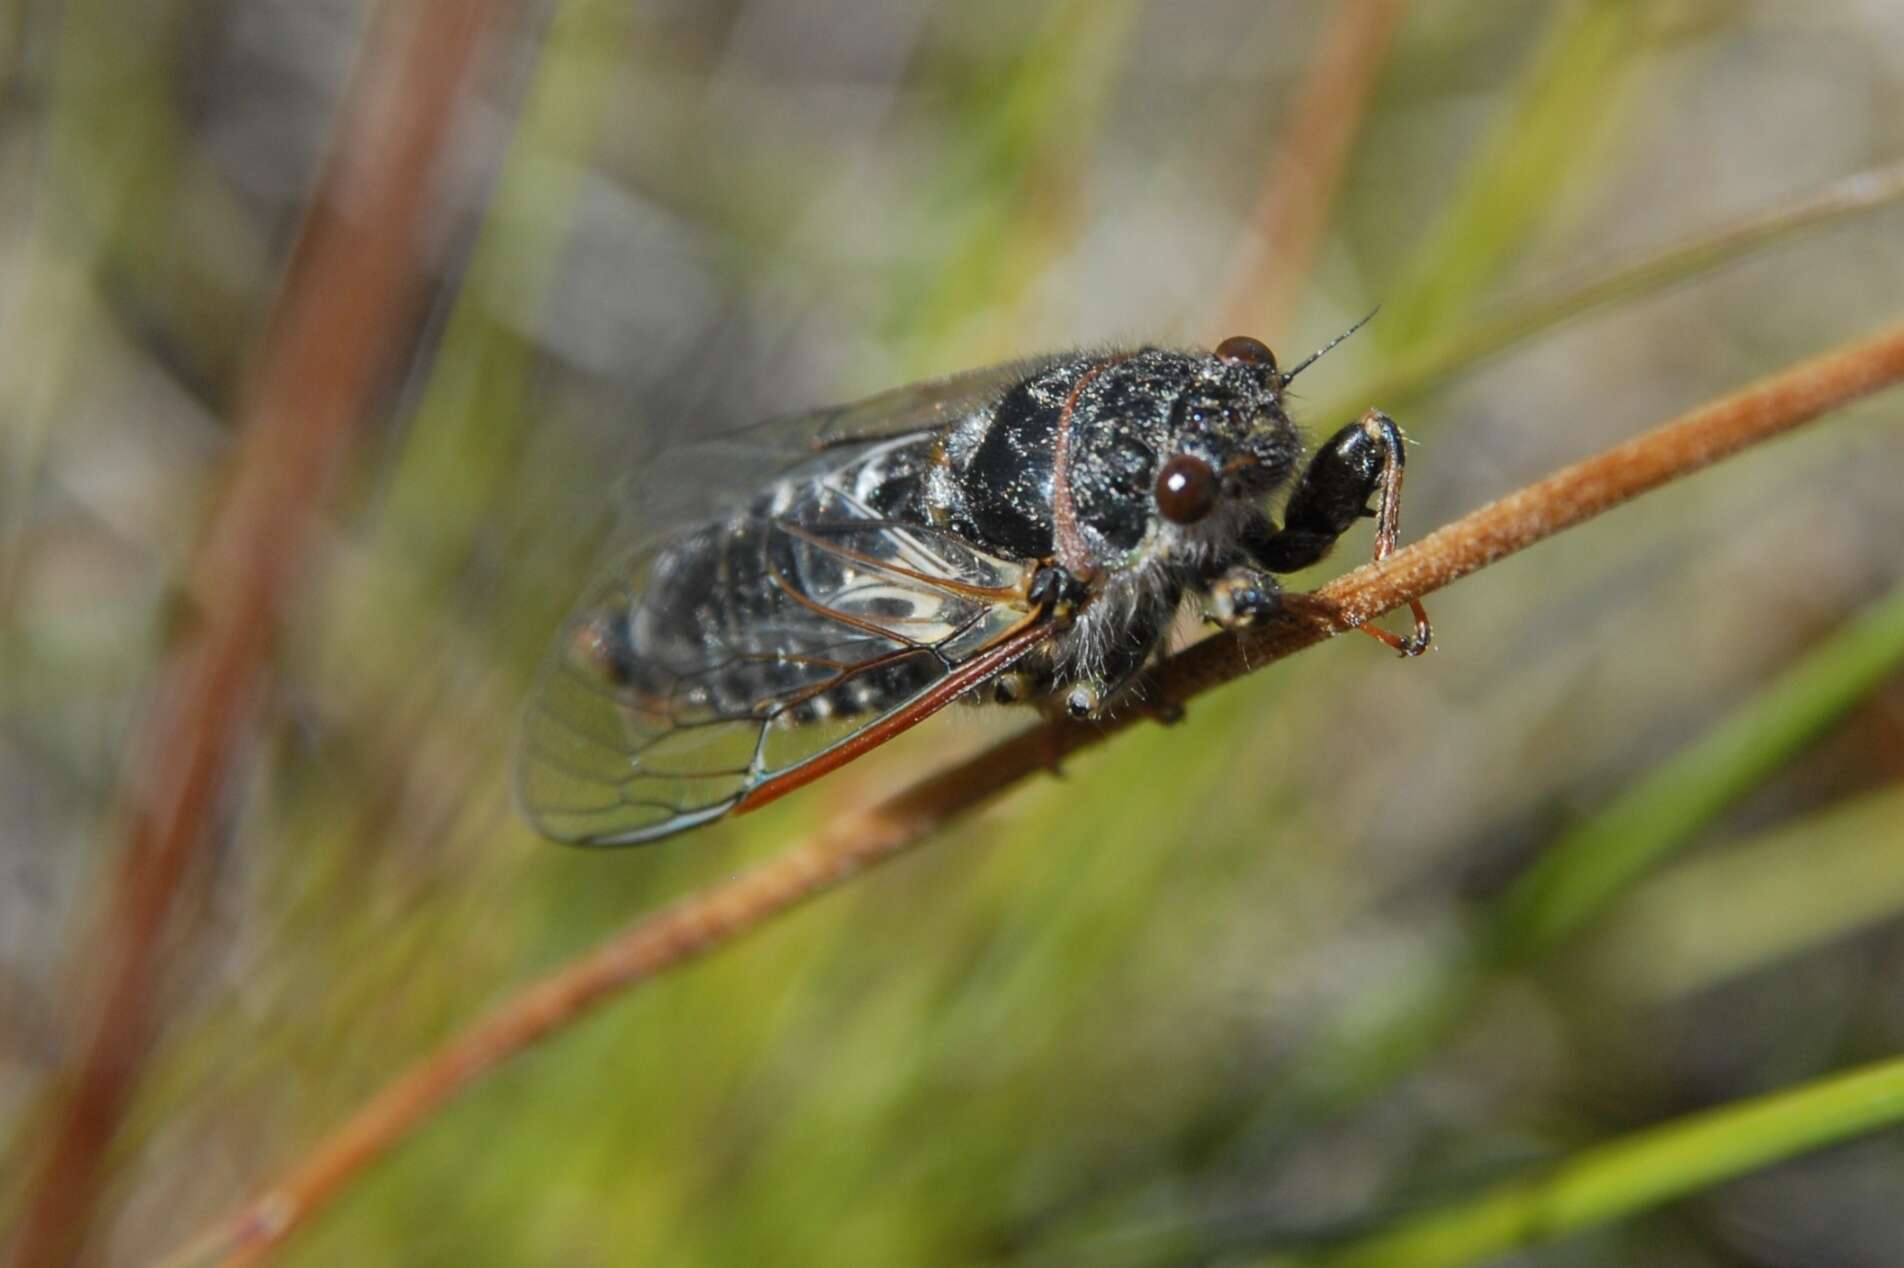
(1025, 533)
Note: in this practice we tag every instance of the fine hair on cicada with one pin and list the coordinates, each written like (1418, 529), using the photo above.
(1026, 533)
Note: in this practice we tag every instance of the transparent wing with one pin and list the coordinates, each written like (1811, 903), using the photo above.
(695, 480)
(738, 661)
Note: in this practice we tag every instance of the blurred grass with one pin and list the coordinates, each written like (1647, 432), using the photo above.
(1554, 128)
(1114, 1019)
(1581, 873)
(1670, 940)
(1005, 194)
(1386, 1032)
(1628, 1176)
(464, 438)
(132, 188)
(1568, 300)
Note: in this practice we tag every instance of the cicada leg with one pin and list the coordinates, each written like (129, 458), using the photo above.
(1362, 461)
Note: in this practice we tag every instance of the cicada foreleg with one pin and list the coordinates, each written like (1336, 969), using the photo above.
(1363, 461)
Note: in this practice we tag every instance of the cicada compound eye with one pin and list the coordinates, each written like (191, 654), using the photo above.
(1186, 489)
(1246, 351)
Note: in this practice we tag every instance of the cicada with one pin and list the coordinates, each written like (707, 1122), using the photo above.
(1025, 533)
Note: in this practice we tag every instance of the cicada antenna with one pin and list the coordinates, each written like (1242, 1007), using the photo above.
(1317, 355)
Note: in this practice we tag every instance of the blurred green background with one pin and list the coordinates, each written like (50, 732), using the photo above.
(1358, 940)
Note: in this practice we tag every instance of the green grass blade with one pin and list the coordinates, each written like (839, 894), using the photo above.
(461, 442)
(1582, 874)
(1592, 865)
(1565, 108)
(1005, 202)
(1640, 1172)
(1791, 891)
(1565, 299)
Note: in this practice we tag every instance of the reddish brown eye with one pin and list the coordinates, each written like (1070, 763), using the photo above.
(1246, 350)
(1186, 489)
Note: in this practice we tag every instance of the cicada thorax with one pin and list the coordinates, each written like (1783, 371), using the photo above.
(1064, 466)
(1064, 469)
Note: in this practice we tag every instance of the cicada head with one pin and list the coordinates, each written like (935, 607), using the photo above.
(1230, 441)
(1177, 447)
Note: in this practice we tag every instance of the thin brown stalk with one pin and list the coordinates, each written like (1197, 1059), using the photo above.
(1299, 185)
(715, 917)
(338, 315)
(1568, 298)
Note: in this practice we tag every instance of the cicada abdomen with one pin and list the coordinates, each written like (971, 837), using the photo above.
(720, 665)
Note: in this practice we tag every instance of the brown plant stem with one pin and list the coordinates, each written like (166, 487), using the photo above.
(1292, 210)
(1566, 299)
(341, 309)
(717, 916)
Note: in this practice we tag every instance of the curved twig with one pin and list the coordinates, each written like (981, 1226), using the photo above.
(336, 317)
(717, 916)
